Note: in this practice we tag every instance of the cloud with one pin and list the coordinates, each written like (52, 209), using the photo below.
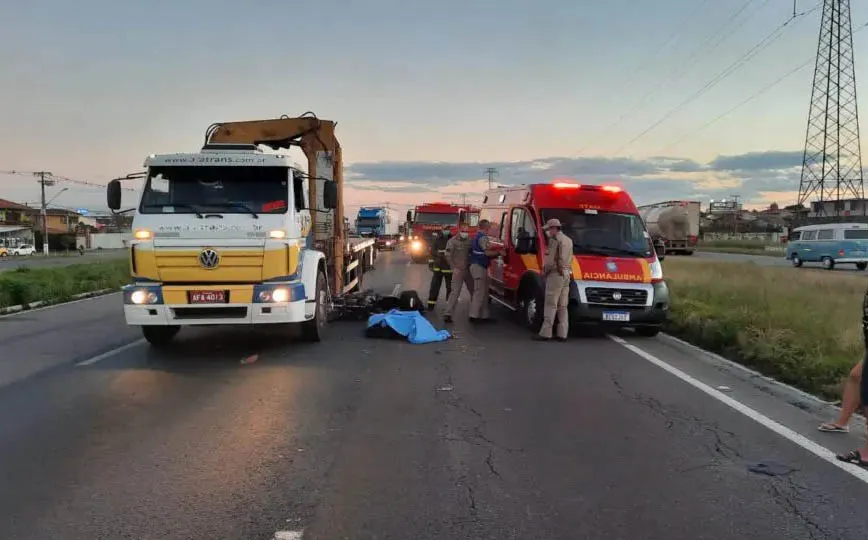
(755, 176)
(758, 161)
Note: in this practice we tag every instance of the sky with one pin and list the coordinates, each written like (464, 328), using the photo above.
(427, 95)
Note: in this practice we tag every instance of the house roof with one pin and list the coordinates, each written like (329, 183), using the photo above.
(9, 205)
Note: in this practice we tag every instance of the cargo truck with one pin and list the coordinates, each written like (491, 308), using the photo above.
(371, 222)
(675, 224)
(240, 233)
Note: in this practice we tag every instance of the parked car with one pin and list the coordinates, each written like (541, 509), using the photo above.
(23, 250)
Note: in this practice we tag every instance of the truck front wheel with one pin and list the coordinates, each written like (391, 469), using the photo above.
(160, 336)
(314, 329)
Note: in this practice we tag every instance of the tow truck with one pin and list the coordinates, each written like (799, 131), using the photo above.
(240, 233)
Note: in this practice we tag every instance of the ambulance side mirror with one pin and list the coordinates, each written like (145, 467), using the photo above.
(525, 245)
(660, 249)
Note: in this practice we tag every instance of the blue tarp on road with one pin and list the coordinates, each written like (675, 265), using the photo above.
(410, 324)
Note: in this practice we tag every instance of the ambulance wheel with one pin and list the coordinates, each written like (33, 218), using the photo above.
(160, 336)
(531, 303)
(314, 329)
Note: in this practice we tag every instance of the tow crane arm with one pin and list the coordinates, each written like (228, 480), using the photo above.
(317, 140)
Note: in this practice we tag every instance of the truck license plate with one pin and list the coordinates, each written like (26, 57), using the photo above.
(616, 316)
(207, 297)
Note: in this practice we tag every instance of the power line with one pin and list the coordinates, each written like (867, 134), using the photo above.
(679, 71)
(732, 68)
(62, 179)
(809, 62)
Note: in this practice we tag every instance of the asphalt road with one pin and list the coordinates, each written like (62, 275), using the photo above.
(40, 261)
(237, 434)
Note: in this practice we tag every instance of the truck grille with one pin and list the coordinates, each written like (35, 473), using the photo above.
(605, 296)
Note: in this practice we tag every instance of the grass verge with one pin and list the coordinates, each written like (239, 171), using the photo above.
(741, 251)
(26, 285)
(801, 328)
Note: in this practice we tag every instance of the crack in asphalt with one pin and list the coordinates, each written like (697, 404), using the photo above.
(792, 497)
(723, 442)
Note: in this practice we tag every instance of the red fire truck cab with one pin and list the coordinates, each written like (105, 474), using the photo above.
(431, 219)
(617, 278)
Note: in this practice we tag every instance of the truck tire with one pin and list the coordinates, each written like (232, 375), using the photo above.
(314, 329)
(531, 303)
(160, 336)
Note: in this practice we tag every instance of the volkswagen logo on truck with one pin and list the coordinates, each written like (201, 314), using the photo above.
(209, 259)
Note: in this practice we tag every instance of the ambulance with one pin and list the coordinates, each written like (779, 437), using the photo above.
(617, 278)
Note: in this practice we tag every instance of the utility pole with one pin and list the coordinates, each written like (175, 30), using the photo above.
(43, 181)
(736, 212)
(491, 171)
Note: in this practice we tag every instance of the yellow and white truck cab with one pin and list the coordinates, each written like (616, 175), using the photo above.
(225, 236)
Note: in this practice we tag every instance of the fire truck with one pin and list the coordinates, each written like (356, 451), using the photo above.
(432, 218)
(617, 278)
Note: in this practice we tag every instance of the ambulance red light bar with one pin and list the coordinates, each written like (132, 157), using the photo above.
(568, 185)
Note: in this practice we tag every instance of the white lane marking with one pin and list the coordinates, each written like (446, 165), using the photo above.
(396, 289)
(409, 262)
(288, 535)
(52, 306)
(107, 354)
(785, 432)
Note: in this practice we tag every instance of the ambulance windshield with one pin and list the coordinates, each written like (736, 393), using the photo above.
(596, 232)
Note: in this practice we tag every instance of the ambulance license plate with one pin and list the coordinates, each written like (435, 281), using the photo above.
(616, 316)
(207, 297)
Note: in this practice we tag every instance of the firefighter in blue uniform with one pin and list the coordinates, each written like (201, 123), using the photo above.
(440, 269)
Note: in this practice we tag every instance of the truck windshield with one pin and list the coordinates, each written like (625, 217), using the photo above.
(432, 218)
(603, 233)
(367, 222)
(220, 190)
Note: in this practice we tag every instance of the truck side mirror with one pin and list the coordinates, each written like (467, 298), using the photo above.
(409, 216)
(525, 245)
(113, 195)
(330, 194)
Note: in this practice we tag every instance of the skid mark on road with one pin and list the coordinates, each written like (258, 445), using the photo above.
(109, 354)
(785, 432)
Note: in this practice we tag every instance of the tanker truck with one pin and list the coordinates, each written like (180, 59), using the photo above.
(675, 223)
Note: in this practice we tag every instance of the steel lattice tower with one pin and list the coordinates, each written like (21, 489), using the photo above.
(832, 161)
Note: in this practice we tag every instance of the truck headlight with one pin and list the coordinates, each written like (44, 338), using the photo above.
(140, 297)
(416, 245)
(279, 295)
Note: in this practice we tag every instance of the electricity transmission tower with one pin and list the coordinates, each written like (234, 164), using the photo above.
(491, 171)
(832, 160)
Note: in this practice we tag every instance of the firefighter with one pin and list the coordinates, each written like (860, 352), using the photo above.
(481, 254)
(440, 269)
(556, 270)
(458, 257)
